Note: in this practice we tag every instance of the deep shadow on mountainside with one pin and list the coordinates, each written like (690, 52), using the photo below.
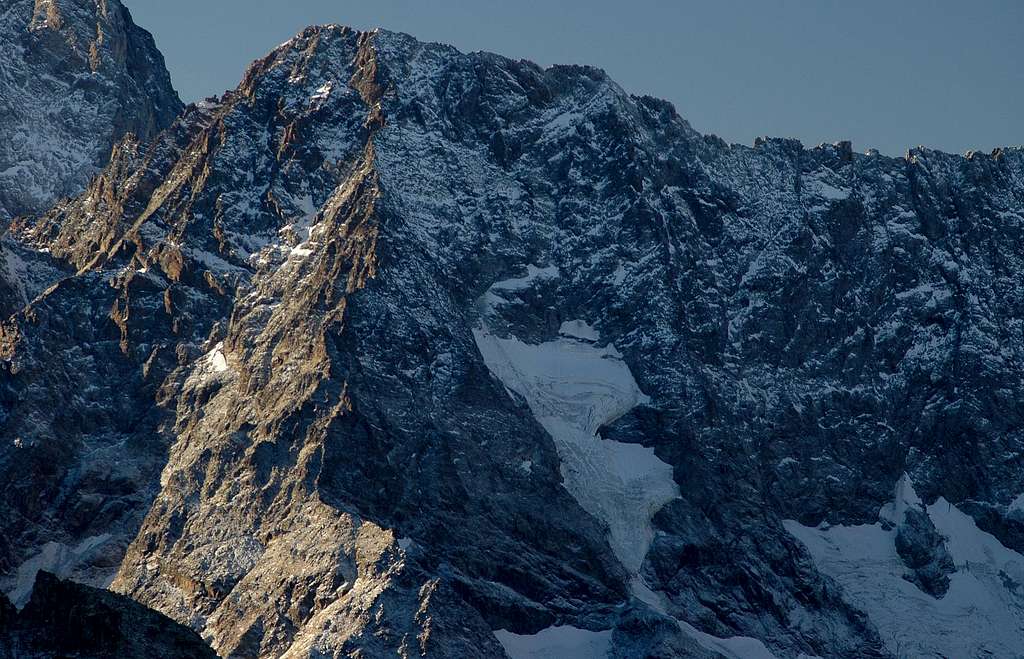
(66, 619)
(283, 372)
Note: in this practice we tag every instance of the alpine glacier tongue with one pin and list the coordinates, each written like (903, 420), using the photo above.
(573, 389)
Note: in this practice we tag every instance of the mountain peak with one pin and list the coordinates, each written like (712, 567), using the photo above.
(82, 74)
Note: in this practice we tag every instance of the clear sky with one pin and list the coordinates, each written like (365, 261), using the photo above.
(888, 74)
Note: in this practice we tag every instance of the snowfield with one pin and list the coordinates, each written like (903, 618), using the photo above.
(573, 387)
(982, 615)
(556, 643)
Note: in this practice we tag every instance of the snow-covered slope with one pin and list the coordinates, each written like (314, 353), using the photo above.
(574, 389)
(981, 614)
(557, 643)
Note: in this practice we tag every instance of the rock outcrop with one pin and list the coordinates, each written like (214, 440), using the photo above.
(79, 82)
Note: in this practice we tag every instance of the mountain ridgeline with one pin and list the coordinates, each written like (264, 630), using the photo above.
(397, 350)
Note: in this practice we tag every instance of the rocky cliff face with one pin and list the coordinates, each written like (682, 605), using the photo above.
(77, 76)
(458, 356)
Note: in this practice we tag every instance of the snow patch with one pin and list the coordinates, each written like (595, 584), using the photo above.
(556, 643)
(217, 361)
(970, 546)
(533, 274)
(211, 366)
(981, 615)
(734, 647)
(1017, 505)
(58, 558)
(578, 329)
(906, 498)
(816, 185)
(494, 297)
(322, 92)
(619, 275)
(564, 120)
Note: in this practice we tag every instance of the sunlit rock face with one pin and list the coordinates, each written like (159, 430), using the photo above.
(399, 350)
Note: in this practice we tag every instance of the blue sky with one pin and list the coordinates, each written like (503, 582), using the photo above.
(884, 74)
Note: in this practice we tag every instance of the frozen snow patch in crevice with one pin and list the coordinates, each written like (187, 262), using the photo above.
(533, 274)
(1017, 505)
(61, 560)
(578, 329)
(573, 389)
(556, 643)
(322, 93)
(982, 614)
(906, 498)
(216, 360)
(495, 295)
(815, 184)
(213, 366)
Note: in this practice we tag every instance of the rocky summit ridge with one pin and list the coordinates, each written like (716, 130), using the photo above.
(395, 349)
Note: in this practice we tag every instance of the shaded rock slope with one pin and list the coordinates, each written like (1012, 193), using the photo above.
(78, 76)
(66, 619)
(401, 350)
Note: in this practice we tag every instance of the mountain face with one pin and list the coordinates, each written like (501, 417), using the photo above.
(77, 76)
(399, 350)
